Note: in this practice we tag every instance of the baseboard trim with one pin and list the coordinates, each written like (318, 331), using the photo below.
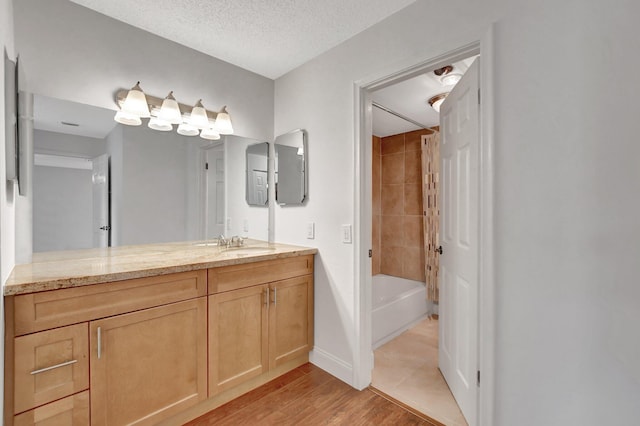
(332, 365)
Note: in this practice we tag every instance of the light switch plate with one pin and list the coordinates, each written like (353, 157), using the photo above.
(311, 230)
(228, 224)
(245, 226)
(346, 234)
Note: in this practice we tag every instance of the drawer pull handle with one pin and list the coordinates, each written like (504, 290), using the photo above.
(53, 367)
(275, 295)
(99, 342)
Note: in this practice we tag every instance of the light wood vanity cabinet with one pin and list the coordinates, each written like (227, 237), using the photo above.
(256, 325)
(159, 349)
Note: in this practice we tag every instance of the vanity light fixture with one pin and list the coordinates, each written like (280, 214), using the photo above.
(163, 113)
(436, 101)
(450, 79)
(223, 122)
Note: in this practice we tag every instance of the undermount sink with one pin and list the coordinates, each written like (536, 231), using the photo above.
(250, 250)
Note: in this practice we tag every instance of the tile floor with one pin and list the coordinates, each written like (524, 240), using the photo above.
(406, 369)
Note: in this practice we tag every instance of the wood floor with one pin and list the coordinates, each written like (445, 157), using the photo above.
(309, 396)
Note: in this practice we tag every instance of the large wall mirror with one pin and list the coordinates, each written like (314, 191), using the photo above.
(291, 167)
(98, 183)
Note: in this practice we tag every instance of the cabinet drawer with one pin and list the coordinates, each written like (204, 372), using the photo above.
(50, 365)
(234, 277)
(72, 410)
(49, 309)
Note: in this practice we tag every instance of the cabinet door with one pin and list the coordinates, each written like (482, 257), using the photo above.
(70, 411)
(148, 365)
(238, 333)
(290, 319)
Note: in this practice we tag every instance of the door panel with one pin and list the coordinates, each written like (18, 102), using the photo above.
(100, 185)
(458, 356)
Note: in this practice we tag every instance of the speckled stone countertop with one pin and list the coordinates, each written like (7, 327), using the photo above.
(65, 269)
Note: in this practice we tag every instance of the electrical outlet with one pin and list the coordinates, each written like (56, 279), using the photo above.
(311, 230)
(245, 226)
(346, 234)
(228, 224)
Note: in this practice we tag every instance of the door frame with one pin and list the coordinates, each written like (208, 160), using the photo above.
(363, 354)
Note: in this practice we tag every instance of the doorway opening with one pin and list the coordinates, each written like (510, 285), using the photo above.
(405, 217)
(484, 325)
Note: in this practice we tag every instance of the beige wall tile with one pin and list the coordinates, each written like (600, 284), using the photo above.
(393, 168)
(413, 140)
(413, 232)
(392, 231)
(391, 261)
(412, 168)
(392, 200)
(392, 144)
(376, 185)
(413, 263)
(376, 145)
(413, 199)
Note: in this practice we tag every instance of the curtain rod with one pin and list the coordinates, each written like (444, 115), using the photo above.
(397, 114)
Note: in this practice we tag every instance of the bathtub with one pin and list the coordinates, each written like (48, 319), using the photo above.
(398, 304)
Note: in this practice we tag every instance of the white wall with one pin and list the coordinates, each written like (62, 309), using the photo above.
(7, 209)
(45, 142)
(73, 53)
(566, 207)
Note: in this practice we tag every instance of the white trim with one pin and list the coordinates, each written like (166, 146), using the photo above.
(486, 286)
(333, 365)
(363, 359)
(62, 161)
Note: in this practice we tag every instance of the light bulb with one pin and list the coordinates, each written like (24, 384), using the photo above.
(210, 134)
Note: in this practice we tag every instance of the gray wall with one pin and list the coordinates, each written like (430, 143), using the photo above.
(62, 209)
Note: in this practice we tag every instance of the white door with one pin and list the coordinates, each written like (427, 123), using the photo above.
(458, 354)
(215, 192)
(100, 187)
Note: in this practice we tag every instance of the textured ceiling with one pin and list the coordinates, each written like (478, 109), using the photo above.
(268, 37)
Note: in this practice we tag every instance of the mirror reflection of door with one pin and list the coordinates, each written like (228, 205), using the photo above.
(257, 174)
(215, 211)
(70, 202)
(100, 184)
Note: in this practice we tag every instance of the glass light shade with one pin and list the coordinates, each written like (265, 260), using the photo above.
(436, 105)
(210, 134)
(128, 119)
(136, 103)
(223, 123)
(170, 110)
(156, 123)
(436, 101)
(186, 129)
(450, 79)
(199, 117)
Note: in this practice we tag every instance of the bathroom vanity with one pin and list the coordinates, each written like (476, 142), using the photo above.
(154, 333)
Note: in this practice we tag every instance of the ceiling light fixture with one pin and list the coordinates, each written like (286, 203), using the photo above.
(436, 101)
(450, 79)
(163, 113)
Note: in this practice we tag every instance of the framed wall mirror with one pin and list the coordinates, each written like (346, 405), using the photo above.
(257, 193)
(291, 167)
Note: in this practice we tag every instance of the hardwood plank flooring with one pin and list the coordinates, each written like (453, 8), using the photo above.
(309, 396)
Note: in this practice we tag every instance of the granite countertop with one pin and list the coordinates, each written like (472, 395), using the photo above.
(65, 269)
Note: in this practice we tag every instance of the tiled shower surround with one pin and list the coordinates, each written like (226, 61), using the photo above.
(398, 240)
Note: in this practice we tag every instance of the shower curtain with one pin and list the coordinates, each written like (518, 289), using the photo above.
(430, 170)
